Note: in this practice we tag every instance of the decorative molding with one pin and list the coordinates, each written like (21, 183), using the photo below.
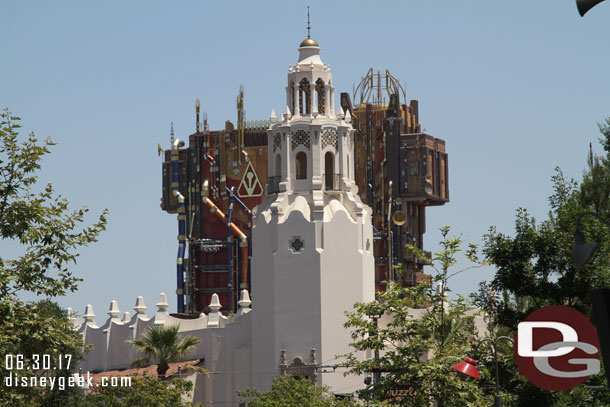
(277, 142)
(301, 138)
(329, 138)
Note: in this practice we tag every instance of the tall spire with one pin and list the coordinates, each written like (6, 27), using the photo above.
(197, 109)
(308, 25)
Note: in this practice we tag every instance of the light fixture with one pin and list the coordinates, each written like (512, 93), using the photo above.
(600, 297)
(586, 5)
(582, 251)
(468, 367)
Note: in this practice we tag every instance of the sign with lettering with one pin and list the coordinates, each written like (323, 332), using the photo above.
(400, 392)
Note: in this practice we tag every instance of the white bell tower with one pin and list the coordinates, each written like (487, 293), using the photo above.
(312, 236)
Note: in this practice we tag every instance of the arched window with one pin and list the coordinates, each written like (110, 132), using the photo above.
(329, 169)
(301, 165)
(291, 95)
(321, 95)
(278, 165)
(304, 90)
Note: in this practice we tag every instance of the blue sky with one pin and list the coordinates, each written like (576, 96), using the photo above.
(514, 88)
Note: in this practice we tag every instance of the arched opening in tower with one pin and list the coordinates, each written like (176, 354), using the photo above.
(292, 98)
(329, 170)
(301, 163)
(304, 93)
(321, 96)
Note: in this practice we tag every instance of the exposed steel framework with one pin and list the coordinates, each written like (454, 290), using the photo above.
(222, 175)
(400, 170)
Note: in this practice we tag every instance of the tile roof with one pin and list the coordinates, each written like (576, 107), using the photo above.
(150, 370)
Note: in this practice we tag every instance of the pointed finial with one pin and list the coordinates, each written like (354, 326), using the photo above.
(140, 307)
(89, 315)
(162, 304)
(244, 303)
(273, 117)
(340, 113)
(171, 134)
(244, 299)
(215, 303)
(348, 116)
(308, 26)
(113, 311)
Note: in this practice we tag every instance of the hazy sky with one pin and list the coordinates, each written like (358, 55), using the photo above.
(514, 88)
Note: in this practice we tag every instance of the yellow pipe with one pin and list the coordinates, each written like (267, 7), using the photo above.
(236, 231)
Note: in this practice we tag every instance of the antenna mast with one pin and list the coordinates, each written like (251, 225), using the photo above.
(308, 25)
(197, 110)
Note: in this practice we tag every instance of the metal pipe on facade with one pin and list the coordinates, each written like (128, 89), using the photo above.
(245, 249)
(390, 273)
(217, 166)
(230, 247)
(239, 201)
(369, 160)
(246, 275)
(237, 232)
(181, 224)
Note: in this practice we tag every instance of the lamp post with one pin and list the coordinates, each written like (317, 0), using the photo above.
(582, 252)
(367, 381)
(469, 365)
(375, 316)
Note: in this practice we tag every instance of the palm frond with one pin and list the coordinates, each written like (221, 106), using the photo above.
(162, 344)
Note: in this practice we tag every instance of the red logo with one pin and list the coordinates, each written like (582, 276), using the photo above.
(557, 348)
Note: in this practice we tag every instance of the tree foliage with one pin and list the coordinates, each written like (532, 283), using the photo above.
(49, 236)
(534, 268)
(595, 187)
(145, 391)
(162, 344)
(422, 335)
(288, 391)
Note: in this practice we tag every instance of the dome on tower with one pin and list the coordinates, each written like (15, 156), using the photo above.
(309, 43)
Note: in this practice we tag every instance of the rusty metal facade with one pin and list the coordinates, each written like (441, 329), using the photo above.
(400, 170)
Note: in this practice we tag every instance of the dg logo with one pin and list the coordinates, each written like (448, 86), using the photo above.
(557, 348)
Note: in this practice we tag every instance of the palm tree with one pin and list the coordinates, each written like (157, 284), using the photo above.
(161, 343)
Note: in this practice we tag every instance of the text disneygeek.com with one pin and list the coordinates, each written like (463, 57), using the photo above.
(85, 380)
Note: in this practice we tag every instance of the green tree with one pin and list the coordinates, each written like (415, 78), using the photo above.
(534, 268)
(595, 187)
(288, 391)
(162, 344)
(417, 345)
(145, 391)
(49, 235)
